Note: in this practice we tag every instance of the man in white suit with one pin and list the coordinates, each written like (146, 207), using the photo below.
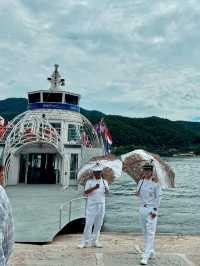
(95, 189)
(149, 193)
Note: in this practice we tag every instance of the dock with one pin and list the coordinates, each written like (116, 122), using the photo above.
(41, 211)
(118, 250)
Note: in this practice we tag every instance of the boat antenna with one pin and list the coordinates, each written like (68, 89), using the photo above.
(56, 80)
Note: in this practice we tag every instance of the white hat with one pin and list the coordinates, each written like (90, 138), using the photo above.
(97, 168)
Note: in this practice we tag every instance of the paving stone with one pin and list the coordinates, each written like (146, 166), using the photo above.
(119, 250)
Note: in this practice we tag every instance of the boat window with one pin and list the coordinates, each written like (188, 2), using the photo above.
(50, 97)
(71, 99)
(57, 126)
(34, 97)
(73, 166)
(74, 133)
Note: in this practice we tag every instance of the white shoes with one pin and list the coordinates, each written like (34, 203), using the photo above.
(144, 261)
(83, 245)
(96, 244)
(152, 256)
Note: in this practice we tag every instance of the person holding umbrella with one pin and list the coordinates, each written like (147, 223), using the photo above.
(95, 190)
(149, 193)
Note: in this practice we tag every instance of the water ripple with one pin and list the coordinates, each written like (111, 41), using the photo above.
(180, 207)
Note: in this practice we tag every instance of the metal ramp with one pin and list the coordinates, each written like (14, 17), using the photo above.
(39, 212)
(75, 209)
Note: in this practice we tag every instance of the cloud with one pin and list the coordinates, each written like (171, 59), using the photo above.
(135, 58)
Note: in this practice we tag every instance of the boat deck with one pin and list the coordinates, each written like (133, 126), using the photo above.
(36, 210)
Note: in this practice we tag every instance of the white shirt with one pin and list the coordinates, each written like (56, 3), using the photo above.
(98, 195)
(150, 193)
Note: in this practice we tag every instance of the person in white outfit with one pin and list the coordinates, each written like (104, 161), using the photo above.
(149, 193)
(95, 190)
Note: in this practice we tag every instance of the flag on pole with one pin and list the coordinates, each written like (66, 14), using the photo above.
(97, 128)
(106, 147)
(2, 121)
(102, 130)
(108, 136)
(102, 125)
(2, 130)
(2, 126)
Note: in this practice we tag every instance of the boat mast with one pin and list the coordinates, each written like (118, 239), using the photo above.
(56, 80)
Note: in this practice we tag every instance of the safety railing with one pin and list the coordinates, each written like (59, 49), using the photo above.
(74, 211)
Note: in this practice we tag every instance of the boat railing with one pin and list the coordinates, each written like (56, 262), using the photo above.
(74, 207)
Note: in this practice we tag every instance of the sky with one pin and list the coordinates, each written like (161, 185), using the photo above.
(134, 58)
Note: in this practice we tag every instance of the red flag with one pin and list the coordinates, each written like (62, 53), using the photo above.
(108, 136)
(2, 121)
(2, 130)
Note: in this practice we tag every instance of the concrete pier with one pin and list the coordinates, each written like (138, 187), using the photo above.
(118, 250)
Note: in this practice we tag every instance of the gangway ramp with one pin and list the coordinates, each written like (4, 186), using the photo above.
(41, 211)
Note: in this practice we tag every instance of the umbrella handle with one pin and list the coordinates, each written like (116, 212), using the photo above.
(140, 186)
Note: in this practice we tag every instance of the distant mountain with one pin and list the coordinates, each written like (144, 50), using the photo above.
(153, 133)
(93, 116)
(13, 104)
(11, 107)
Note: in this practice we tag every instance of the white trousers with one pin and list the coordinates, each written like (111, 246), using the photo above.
(149, 229)
(94, 217)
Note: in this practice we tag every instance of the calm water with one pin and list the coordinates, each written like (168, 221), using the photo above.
(180, 207)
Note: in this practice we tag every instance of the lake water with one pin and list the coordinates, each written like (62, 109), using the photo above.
(180, 207)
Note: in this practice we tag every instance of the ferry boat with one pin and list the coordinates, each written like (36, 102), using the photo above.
(50, 141)
(42, 150)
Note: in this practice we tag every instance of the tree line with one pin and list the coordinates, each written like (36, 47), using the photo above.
(152, 133)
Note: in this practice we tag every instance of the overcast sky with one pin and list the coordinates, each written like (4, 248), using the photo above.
(136, 58)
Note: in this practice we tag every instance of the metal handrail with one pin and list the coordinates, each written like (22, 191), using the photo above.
(69, 204)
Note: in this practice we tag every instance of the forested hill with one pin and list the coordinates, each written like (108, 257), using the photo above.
(10, 107)
(153, 133)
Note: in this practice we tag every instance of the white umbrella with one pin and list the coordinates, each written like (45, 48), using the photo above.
(112, 169)
(134, 161)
